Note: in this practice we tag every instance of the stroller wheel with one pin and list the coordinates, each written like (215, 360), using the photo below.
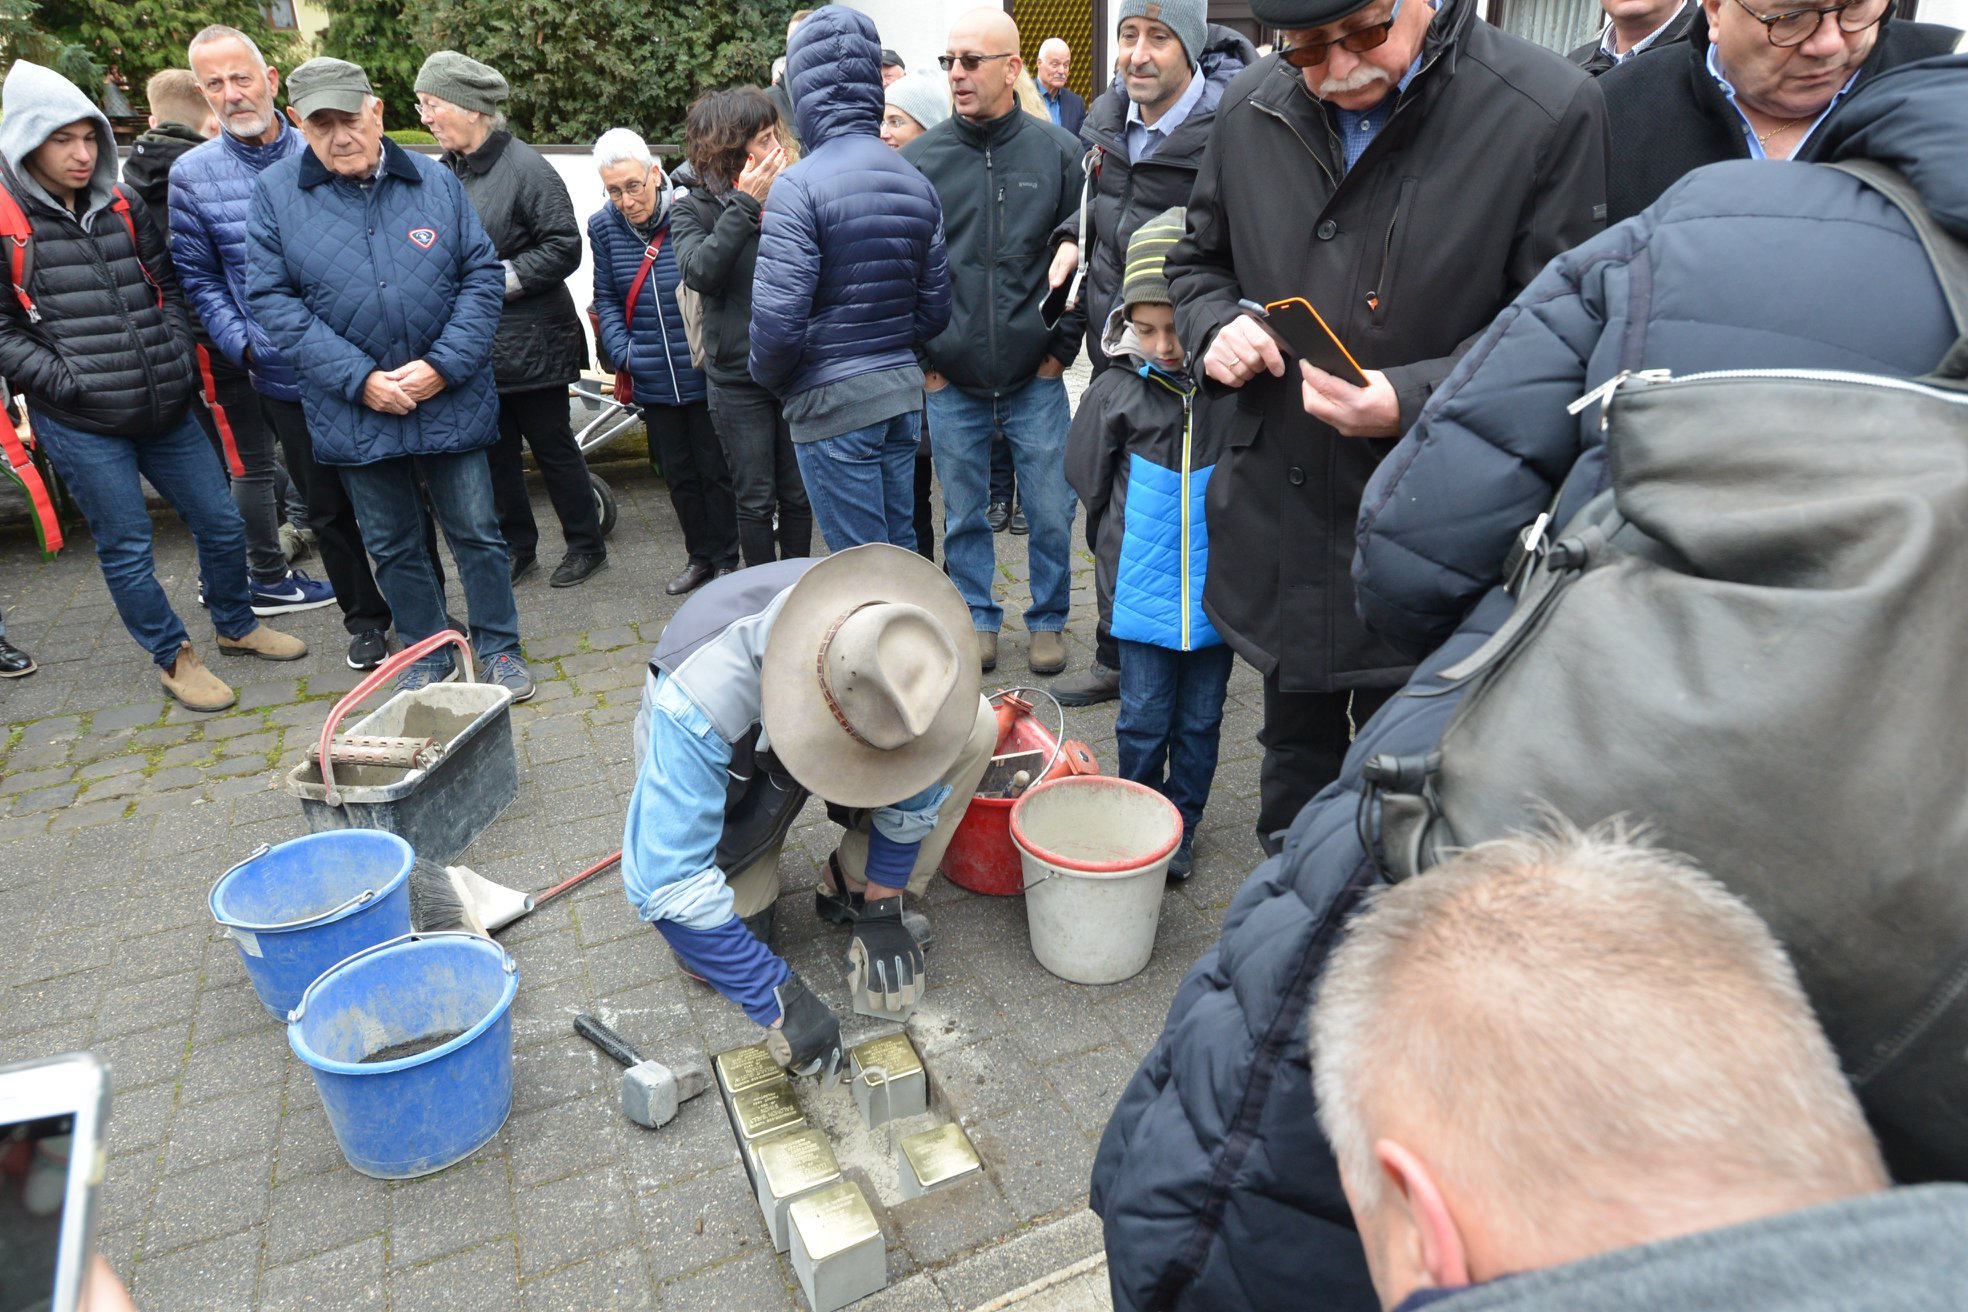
(604, 503)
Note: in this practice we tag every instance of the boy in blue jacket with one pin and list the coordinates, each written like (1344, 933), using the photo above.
(1139, 455)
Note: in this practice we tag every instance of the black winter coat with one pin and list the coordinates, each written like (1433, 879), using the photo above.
(1492, 162)
(148, 169)
(105, 357)
(1592, 56)
(717, 242)
(1216, 1187)
(1127, 195)
(526, 211)
(1667, 116)
(1007, 186)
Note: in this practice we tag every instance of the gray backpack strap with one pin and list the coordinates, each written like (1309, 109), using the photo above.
(1947, 252)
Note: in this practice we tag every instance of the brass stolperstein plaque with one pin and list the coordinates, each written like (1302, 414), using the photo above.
(834, 1220)
(764, 1111)
(747, 1068)
(894, 1053)
(940, 1155)
(793, 1163)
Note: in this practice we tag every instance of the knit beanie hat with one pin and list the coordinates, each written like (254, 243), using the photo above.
(1188, 19)
(463, 81)
(923, 98)
(1142, 280)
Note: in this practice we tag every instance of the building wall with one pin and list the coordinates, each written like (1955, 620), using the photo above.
(915, 29)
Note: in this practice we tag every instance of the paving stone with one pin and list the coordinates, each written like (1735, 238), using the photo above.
(252, 1061)
(103, 790)
(173, 780)
(223, 1128)
(703, 1220)
(572, 1219)
(984, 1078)
(262, 695)
(113, 765)
(613, 1282)
(952, 1220)
(305, 1143)
(1020, 1261)
(39, 757)
(45, 799)
(169, 735)
(209, 1202)
(609, 639)
(169, 952)
(350, 1277)
(1038, 1154)
(132, 716)
(234, 726)
(145, 1057)
(627, 963)
(56, 955)
(325, 1212)
(32, 1045)
(755, 1280)
(556, 1069)
(188, 754)
(129, 1183)
(458, 1208)
(171, 1000)
(698, 1140)
(213, 1275)
(552, 647)
(236, 766)
(486, 1279)
(1046, 1031)
(53, 729)
(52, 1002)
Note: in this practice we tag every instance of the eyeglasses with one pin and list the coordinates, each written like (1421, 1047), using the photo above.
(1360, 40)
(897, 121)
(970, 63)
(632, 190)
(1797, 26)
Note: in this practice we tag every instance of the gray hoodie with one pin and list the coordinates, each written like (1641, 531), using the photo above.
(37, 102)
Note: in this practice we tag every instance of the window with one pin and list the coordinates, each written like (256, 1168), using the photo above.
(280, 15)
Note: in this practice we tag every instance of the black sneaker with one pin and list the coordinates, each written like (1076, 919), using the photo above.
(576, 568)
(997, 515)
(368, 649)
(1019, 526)
(523, 564)
(1184, 859)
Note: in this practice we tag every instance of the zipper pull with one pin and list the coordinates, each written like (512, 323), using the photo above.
(1602, 395)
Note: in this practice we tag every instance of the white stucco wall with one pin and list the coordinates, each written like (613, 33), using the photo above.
(914, 29)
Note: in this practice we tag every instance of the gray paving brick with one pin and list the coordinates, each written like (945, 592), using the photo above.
(52, 1002)
(571, 1219)
(613, 1282)
(305, 1142)
(1090, 1083)
(209, 1202)
(252, 1061)
(45, 799)
(193, 753)
(236, 767)
(113, 765)
(240, 724)
(755, 1280)
(169, 735)
(174, 781)
(39, 757)
(1040, 1157)
(150, 956)
(221, 1129)
(458, 1208)
(704, 1220)
(698, 1140)
(213, 1275)
(350, 1277)
(486, 1279)
(558, 1141)
(66, 954)
(68, 1036)
(145, 1057)
(984, 1078)
(102, 790)
(954, 1219)
(1018, 1262)
(53, 729)
(135, 715)
(129, 1184)
(324, 1212)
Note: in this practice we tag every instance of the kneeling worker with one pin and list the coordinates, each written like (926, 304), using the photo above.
(849, 676)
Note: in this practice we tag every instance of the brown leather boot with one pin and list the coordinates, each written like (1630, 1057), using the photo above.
(267, 644)
(190, 682)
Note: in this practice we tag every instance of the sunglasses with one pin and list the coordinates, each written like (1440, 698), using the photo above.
(1360, 40)
(971, 63)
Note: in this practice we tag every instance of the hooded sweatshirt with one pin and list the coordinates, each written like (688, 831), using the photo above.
(110, 350)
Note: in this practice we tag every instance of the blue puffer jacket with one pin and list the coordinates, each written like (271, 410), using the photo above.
(655, 350)
(1214, 1182)
(211, 192)
(346, 280)
(852, 274)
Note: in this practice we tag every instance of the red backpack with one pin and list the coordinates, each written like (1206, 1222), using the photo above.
(18, 233)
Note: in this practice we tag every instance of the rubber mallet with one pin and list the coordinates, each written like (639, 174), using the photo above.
(651, 1091)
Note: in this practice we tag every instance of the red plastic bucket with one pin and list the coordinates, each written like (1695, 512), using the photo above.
(981, 856)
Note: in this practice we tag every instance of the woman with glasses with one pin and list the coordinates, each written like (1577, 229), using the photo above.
(1756, 79)
(636, 276)
(736, 150)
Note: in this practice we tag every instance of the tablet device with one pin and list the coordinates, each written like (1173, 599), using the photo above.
(52, 1114)
(1300, 329)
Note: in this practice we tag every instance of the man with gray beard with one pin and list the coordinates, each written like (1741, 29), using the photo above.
(1406, 168)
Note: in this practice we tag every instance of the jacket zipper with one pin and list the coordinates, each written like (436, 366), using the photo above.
(1603, 394)
(129, 320)
(991, 256)
(1187, 432)
(1292, 128)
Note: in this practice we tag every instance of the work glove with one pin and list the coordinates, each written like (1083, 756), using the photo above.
(807, 1040)
(885, 958)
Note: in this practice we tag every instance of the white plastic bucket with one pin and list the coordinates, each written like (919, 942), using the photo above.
(1096, 853)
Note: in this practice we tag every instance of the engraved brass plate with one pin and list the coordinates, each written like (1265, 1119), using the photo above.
(940, 1155)
(747, 1068)
(796, 1162)
(766, 1110)
(894, 1053)
(834, 1220)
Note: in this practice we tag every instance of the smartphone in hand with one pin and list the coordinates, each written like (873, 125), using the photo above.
(52, 1117)
(1300, 329)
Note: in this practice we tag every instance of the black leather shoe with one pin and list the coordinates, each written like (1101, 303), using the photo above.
(14, 663)
(522, 565)
(1019, 526)
(695, 575)
(576, 568)
(997, 515)
(723, 570)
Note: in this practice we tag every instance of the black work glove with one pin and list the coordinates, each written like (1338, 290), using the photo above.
(807, 1040)
(885, 957)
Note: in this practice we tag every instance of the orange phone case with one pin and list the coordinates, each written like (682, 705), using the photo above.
(1314, 341)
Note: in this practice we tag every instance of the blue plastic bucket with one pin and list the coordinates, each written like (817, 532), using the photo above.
(412, 1115)
(297, 909)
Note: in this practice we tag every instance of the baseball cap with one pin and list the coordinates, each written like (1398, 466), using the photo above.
(325, 83)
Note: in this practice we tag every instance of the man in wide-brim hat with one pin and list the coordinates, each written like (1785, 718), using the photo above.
(851, 677)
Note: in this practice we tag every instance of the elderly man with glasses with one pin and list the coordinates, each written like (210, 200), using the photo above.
(1406, 168)
(1756, 79)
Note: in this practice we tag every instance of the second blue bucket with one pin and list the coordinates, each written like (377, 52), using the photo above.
(297, 909)
(411, 1047)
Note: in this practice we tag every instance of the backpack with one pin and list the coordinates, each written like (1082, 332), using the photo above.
(1755, 640)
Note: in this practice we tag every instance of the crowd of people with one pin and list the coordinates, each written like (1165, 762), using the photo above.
(861, 277)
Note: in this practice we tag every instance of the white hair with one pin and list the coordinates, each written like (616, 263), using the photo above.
(619, 144)
(1565, 1022)
(1052, 43)
(217, 32)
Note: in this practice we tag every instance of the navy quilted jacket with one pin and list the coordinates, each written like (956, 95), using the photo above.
(211, 192)
(347, 279)
(852, 275)
(654, 348)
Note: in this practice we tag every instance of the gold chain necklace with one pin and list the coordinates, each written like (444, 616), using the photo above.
(1763, 138)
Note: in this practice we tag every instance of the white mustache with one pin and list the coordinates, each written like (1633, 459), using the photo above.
(1363, 76)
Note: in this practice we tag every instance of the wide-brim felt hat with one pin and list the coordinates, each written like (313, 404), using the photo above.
(824, 669)
(1302, 14)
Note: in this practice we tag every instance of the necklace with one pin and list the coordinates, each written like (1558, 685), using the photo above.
(1763, 138)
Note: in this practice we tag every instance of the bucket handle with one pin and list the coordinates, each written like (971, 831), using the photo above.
(510, 966)
(1058, 739)
(389, 669)
(230, 925)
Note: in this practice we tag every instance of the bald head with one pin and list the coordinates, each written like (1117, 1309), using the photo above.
(988, 40)
(1557, 1045)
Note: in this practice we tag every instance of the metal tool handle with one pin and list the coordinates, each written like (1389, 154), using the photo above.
(1059, 739)
(607, 1040)
(212, 899)
(506, 962)
(389, 669)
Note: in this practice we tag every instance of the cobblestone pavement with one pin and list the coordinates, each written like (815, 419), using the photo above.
(225, 1186)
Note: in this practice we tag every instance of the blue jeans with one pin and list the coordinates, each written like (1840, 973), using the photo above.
(1170, 720)
(102, 474)
(390, 515)
(1034, 420)
(862, 483)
